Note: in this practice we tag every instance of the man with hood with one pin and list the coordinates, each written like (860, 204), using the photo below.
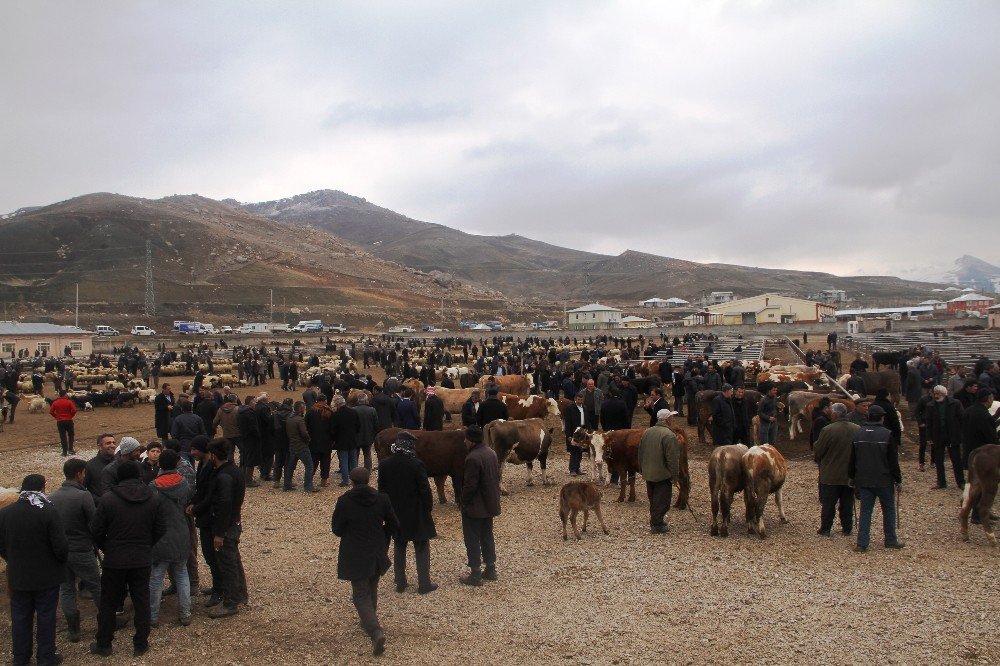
(172, 551)
(403, 477)
(250, 438)
(128, 449)
(130, 519)
(225, 419)
(364, 520)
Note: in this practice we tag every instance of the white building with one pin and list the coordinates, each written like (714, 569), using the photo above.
(655, 303)
(593, 316)
(717, 297)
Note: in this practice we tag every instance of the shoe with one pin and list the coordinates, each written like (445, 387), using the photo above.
(276, 485)
(847, 532)
(427, 590)
(56, 660)
(288, 488)
(252, 484)
(937, 487)
(170, 590)
(206, 591)
(185, 620)
(859, 549)
(214, 600)
(378, 644)
(899, 545)
(311, 490)
(823, 532)
(63, 454)
(659, 529)
(73, 624)
(490, 574)
(401, 587)
(72, 452)
(345, 484)
(99, 651)
(138, 651)
(922, 468)
(223, 611)
(474, 579)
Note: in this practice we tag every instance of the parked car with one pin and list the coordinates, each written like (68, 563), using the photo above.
(107, 330)
(336, 328)
(225, 330)
(142, 330)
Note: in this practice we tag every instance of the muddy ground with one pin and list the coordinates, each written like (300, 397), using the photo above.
(627, 598)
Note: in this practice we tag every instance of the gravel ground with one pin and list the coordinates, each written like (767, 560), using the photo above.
(630, 597)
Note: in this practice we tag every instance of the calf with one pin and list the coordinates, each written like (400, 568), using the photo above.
(594, 443)
(981, 489)
(764, 473)
(519, 442)
(725, 479)
(441, 451)
(889, 358)
(578, 496)
(797, 402)
(516, 384)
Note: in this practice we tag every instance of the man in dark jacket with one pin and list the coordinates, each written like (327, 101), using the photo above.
(33, 543)
(205, 408)
(822, 416)
(872, 470)
(163, 405)
(76, 509)
(743, 412)
(345, 426)
(265, 419)
(767, 410)
(492, 409)
(480, 504)
(105, 454)
(128, 521)
(187, 426)
(433, 410)
(172, 550)
(979, 427)
(200, 511)
(832, 452)
(317, 422)
(944, 432)
(298, 437)
(281, 416)
(575, 417)
(364, 520)
(368, 419)
(723, 417)
(250, 440)
(614, 412)
(226, 505)
(654, 403)
(407, 411)
(470, 409)
(892, 419)
(129, 448)
(403, 477)
(384, 409)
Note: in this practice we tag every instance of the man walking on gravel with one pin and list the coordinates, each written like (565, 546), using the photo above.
(659, 463)
(480, 504)
(872, 470)
(364, 520)
(63, 410)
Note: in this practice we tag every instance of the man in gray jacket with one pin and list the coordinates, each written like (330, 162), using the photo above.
(76, 508)
(298, 448)
(832, 452)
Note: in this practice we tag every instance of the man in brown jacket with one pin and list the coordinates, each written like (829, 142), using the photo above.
(298, 449)
(833, 455)
(225, 418)
(480, 504)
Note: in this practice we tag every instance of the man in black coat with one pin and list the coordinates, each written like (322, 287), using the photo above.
(470, 409)
(944, 432)
(33, 543)
(492, 409)
(385, 410)
(128, 521)
(250, 440)
(364, 520)
(345, 429)
(743, 412)
(614, 412)
(575, 416)
(403, 477)
(105, 454)
(480, 504)
(433, 410)
(655, 403)
(228, 491)
(723, 417)
(978, 427)
(163, 405)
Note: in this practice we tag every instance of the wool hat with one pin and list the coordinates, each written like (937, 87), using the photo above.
(128, 445)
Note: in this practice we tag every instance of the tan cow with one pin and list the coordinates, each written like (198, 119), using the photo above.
(533, 406)
(516, 384)
(578, 496)
(764, 473)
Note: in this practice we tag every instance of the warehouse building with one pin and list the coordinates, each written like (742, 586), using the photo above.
(769, 309)
(45, 339)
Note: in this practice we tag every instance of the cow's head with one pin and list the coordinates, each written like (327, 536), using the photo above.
(553, 407)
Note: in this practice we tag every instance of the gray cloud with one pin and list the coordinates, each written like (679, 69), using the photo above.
(803, 134)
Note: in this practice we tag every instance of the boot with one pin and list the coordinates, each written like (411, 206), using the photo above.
(73, 624)
(490, 573)
(248, 478)
(475, 578)
(378, 643)
(324, 482)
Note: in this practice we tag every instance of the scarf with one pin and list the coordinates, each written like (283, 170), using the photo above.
(35, 498)
(403, 447)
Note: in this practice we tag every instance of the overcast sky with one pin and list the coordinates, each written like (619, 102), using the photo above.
(838, 136)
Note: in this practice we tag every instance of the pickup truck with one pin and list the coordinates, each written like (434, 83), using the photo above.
(142, 330)
(401, 329)
(107, 330)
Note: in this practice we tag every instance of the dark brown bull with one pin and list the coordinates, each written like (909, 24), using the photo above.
(981, 490)
(621, 455)
(725, 479)
(441, 451)
(887, 379)
(519, 442)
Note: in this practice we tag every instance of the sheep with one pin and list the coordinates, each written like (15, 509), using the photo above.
(36, 406)
(112, 385)
(146, 395)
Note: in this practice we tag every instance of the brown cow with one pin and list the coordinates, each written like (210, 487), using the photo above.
(725, 479)
(531, 407)
(576, 496)
(519, 442)
(981, 490)
(764, 472)
(453, 399)
(441, 451)
(621, 454)
(516, 384)
(353, 394)
(594, 443)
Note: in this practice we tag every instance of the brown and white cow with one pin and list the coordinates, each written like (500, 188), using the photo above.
(725, 479)
(806, 415)
(593, 442)
(530, 407)
(797, 401)
(516, 384)
(981, 490)
(578, 496)
(764, 473)
(519, 442)
(442, 452)
(354, 394)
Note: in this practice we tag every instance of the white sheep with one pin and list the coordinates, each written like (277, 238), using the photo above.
(36, 406)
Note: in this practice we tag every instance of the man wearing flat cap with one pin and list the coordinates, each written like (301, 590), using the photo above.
(659, 463)
(480, 504)
(873, 469)
(403, 477)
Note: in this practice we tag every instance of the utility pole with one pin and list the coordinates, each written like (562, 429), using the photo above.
(271, 316)
(76, 318)
(442, 313)
(150, 298)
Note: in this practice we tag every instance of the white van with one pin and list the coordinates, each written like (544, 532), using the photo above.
(142, 330)
(107, 330)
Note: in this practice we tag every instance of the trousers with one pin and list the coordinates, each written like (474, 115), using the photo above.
(230, 566)
(33, 612)
(887, 501)
(307, 468)
(364, 594)
(659, 494)
(66, 435)
(114, 585)
(80, 566)
(179, 574)
(208, 552)
(480, 546)
(832, 496)
(422, 554)
(955, 453)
